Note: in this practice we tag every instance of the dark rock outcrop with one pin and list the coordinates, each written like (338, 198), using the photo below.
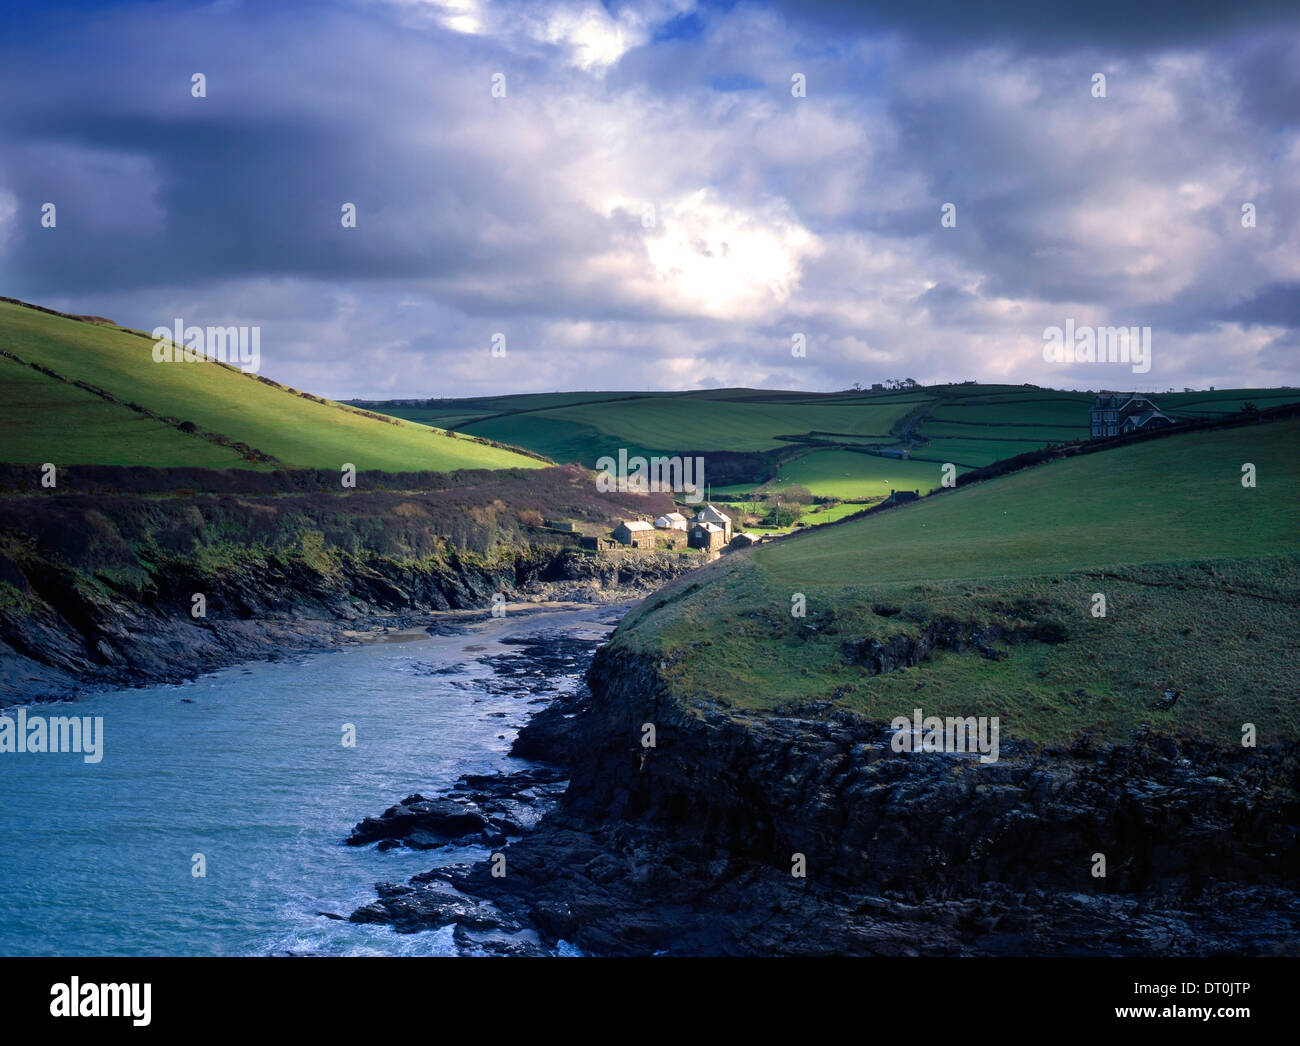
(689, 847)
(482, 809)
(75, 616)
(903, 650)
(421, 823)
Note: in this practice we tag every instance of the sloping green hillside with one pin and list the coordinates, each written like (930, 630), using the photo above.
(692, 423)
(45, 419)
(850, 474)
(131, 410)
(968, 425)
(1176, 498)
(976, 425)
(1201, 578)
(579, 427)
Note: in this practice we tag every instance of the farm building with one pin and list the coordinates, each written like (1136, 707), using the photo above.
(671, 521)
(636, 533)
(706, 535)
(709, 514)
(745, 540)
(895, 452)
(898, 497)
(1117, 413)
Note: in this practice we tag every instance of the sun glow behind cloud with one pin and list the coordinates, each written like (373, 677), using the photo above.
(591, 38)
(706, 257)
(774, 214)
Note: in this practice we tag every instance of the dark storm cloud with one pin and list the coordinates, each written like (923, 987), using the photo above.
(250, 180)
(1275, 306)
(1045, 24)
(774, 214)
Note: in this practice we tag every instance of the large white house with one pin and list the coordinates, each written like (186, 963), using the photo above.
(671, 521)
(709, 514)
(1119, 413)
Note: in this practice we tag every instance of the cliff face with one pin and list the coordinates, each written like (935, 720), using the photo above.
(690, 846)
(98, 585)
(1168, 814)
(70, 633)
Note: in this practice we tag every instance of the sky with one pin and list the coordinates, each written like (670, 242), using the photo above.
(664, 195)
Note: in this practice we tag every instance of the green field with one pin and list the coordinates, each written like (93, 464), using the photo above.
(450, 413)
(680, 424)
(556, 438)
(840, 439)
(858, 479)
(734, 491)
(974, 453)
(1028, 407)
(969, 425)
(1202, 577)
(441, 419)
(219, 401)
(103, 433)
(1040, 434)
(813, 515)
(579, 427)
(1180, 498)
(786, 437)
(978, 425)
(1225, 401)
(850, 474)
(546, 400)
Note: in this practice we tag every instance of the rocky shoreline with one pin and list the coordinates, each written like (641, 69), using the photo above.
(688, 848)
(483, 810)
(83, 641)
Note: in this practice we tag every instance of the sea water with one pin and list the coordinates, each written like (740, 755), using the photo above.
(243, 774)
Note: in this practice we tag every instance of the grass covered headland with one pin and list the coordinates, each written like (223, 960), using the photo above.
(91, 393)
(983, 601)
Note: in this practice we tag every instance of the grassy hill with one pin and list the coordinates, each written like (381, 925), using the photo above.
(82, 393)
(975, 425)
(1201, 577)
(50, 420)
(775, 438)
(1176, 498)
(580, 427)
(853, 475)
(724, 424)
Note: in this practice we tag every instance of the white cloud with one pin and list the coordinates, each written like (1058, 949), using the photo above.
(8, 208)
(590, 37)
(772, 214)
(707, 257)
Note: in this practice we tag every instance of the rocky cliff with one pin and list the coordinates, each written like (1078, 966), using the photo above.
(121, 577)
(690, 846)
